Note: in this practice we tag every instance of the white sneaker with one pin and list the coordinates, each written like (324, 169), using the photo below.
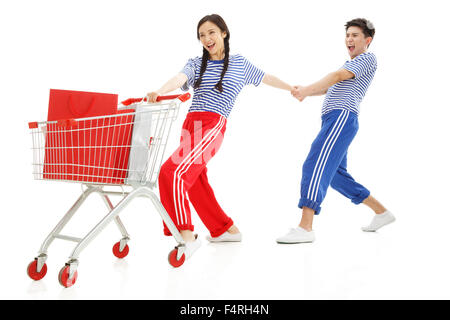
(226, 237)
(297, 235)
(380, 220)
(191, 247)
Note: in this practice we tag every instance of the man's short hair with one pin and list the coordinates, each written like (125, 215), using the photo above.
(366, 26)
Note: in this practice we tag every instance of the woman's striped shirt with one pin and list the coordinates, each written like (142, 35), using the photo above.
(348, 94)
(240, 73)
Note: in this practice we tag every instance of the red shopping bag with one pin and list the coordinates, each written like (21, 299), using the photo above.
(69, 104)
(62, 149)
(90, 151)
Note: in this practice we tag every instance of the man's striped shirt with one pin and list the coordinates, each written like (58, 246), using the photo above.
(240, 73)
(348, 94)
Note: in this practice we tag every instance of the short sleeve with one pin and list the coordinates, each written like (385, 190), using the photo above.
(252, 74)
(361, 65)
(189, 71)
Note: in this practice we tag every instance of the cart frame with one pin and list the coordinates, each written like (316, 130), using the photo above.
(144, 188)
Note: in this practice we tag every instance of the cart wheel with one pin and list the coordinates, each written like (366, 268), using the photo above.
(173, 258)
(33, 274)
(63, 277)
(120, 254)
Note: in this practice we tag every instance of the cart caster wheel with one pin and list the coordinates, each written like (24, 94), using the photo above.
(173, 258)
(63, 277)
(33, 274)
(118, 253)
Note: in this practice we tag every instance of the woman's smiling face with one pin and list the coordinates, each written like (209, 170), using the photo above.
(212, 39)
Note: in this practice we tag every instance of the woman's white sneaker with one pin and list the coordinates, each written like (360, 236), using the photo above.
(226, 237)
(297, 235)
(191, 247)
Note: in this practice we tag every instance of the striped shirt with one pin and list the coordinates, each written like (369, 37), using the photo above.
(348, 94)
(240, 72)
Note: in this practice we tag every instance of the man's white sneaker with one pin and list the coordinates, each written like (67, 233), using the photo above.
(379, 221)
(191, 247)
(226, 237)
(297, 235)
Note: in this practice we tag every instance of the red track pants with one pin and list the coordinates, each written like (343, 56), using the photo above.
(183, 175)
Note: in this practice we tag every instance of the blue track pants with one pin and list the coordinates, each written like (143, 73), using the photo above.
(326, 163)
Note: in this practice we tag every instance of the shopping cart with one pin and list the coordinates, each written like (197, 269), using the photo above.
(124, 149)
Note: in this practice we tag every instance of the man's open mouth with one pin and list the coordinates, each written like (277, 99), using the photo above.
(351, 48)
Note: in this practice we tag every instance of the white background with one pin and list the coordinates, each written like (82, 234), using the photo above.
(132, 47)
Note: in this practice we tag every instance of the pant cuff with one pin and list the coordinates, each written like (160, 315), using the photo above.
(310, 204)
(222, 230)
(361, 197)
(180, 228)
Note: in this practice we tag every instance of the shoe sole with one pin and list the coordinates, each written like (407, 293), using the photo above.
(212, 240)
(375, 230)
(286, 242)
(218, 241)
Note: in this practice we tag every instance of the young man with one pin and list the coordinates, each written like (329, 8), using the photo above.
(326, 163)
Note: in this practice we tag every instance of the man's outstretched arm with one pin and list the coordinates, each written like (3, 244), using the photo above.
(321, 87)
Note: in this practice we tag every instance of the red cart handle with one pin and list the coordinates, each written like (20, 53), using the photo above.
(131, 101)
(182, 97)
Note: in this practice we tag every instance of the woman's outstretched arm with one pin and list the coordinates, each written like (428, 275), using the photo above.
(171, 85)
(276, 83)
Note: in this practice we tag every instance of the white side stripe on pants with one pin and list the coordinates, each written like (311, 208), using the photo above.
(329, 151)
(190, 163)
(179, 166)
(182, 165)
(324, 154)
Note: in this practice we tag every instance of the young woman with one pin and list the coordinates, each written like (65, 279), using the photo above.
(217, 78)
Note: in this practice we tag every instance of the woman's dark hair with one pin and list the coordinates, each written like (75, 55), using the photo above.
(219, 22)
(366, 26)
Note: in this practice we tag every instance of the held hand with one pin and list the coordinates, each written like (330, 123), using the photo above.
(152, 96)
(294, 90)
(299, 93)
